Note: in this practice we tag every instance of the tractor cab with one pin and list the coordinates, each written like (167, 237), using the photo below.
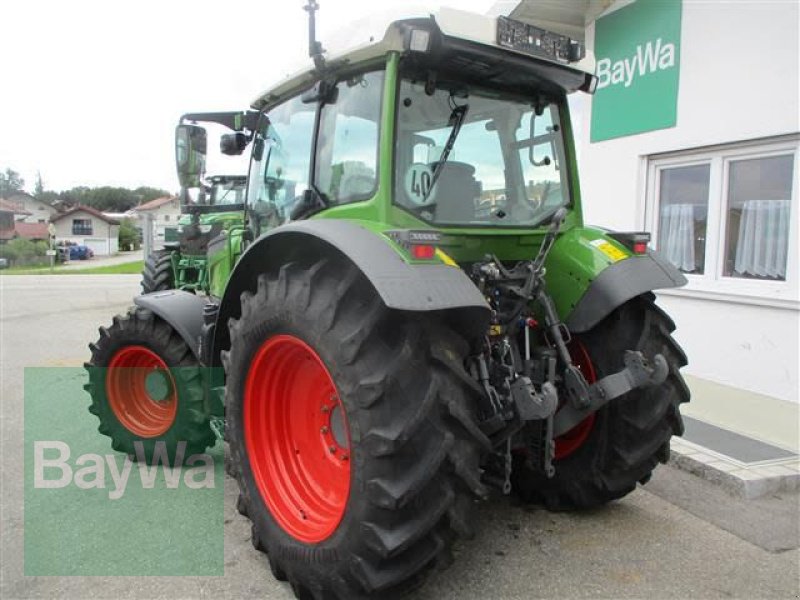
(441, 121)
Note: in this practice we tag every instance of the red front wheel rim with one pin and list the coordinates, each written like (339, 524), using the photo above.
(129, 397)
(569, 442)
(297, 438)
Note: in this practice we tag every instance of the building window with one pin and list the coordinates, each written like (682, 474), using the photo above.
(724, 216)
(81, 227)
(166, 217)
(757, 211)
(683, 215)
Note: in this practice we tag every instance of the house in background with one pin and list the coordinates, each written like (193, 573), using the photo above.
(36, 211)
(89, 227)
(9, 213)
(164, 212)
(32, 231)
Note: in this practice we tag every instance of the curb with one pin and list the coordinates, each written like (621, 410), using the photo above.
(744, 480)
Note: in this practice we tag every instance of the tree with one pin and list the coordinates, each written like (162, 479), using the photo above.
(76, 195)
(128, 235)
(39, 187)
(145, 193)
(24, 251)
(10, 182)
(48, 196)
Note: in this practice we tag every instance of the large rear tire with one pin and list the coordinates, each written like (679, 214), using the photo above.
(157, 274)
(168, 407)
(313, 341)
(605, 456)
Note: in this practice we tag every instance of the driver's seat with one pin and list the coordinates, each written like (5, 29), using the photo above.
(456, 191)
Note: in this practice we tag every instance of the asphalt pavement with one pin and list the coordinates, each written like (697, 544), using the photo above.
(677, 537)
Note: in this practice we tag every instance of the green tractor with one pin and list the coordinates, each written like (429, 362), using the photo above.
(182, 264)
(411, 313)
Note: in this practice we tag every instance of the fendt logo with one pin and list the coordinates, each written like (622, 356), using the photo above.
(649, 58)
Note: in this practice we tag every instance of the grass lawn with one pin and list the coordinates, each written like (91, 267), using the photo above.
(131, 268)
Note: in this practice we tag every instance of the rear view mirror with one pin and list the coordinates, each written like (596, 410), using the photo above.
(232, 144)
(190, 154)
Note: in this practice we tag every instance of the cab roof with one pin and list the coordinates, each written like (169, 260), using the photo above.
(466, 37)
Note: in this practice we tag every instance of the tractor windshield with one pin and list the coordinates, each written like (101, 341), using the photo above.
(468, 157)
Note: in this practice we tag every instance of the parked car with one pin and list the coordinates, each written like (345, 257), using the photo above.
(80, 252)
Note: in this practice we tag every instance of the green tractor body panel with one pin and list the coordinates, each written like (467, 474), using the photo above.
(576, 259)
(579, 255)
(208, 272)
(222, 256)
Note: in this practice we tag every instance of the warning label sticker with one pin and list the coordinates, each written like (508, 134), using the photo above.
(610, 250)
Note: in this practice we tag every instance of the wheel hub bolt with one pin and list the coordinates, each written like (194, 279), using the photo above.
(325, 408)
(332, 449)
(345, 457)
(324, 430)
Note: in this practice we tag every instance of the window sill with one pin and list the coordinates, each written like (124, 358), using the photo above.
(766, 297)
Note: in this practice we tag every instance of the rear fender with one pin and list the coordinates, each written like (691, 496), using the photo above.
(401, 285)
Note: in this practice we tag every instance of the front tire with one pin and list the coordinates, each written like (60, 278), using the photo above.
(411, 447)
(620, 445)
(168, 409)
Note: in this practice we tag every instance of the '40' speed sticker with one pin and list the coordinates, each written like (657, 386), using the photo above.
(418, 182)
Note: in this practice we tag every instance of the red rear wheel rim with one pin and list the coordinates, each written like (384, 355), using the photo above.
(297, 438)
(569, 442)
(129, 398)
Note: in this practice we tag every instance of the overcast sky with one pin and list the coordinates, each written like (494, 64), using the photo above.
(92, 90)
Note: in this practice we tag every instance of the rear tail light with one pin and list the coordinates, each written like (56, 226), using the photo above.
(635, 241)
(423, 251)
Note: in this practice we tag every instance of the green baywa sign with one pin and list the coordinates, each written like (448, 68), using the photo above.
(638, 67)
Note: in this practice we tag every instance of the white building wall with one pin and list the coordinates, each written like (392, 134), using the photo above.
(104, 239)
(164, 216)
(41, 212)
(739, 80)
(749, 347)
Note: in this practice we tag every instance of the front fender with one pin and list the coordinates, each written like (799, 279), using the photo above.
(400, 284)
(590, 274)
(182, 310)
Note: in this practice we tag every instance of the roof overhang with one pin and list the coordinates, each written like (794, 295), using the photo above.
(568, 17)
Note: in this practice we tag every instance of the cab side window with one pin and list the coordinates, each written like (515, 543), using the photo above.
(281, 163)
(346, 168)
